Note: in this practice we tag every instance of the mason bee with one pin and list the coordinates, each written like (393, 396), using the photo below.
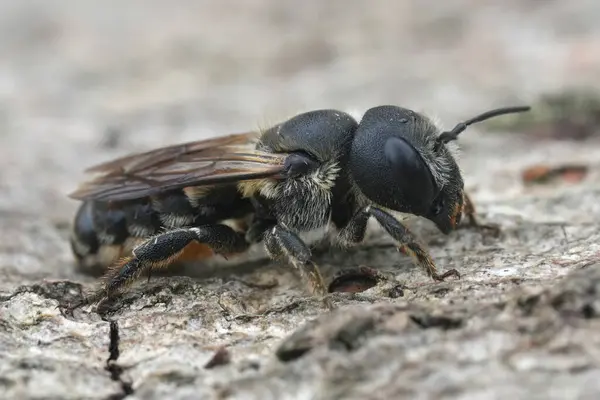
(317, 169)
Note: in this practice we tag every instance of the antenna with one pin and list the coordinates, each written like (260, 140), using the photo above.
(448, 136)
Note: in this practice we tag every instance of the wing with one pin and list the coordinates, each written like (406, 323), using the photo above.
(218, 160)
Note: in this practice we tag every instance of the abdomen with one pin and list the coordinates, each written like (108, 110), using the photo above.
(103, 233)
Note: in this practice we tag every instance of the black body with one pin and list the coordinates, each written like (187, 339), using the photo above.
(337, 170)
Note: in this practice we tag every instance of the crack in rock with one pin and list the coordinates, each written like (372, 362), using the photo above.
(116, 371)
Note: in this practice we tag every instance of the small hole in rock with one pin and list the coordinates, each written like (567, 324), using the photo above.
(354, 282)
(588, 311)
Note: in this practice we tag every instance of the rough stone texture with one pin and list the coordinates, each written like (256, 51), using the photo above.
(83, 81)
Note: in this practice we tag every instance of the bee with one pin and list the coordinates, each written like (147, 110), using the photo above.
(320, 168)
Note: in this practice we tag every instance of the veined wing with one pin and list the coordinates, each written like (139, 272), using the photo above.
(218, 160)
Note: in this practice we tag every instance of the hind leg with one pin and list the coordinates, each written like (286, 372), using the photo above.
(163, 250)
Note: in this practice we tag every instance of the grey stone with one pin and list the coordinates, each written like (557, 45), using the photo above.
(82, 81)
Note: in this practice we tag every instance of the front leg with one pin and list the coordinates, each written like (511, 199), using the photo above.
(280, 241)
(472, 220)
(354, 232)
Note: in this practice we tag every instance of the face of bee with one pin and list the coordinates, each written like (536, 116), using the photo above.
(446, 211)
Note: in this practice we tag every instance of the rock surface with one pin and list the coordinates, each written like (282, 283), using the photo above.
(82, 81)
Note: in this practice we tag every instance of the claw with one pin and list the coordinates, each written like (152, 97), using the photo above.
(327, 303)
(494, 229)
(67, 310)
(442, 277)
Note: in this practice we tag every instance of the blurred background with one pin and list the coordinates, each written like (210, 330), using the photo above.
(82, 81)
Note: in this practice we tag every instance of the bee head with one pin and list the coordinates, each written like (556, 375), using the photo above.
(400, 161)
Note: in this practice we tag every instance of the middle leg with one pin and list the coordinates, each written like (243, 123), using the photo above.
(280, 241)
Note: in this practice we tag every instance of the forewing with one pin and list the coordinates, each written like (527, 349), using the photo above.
(219, 160)
(153, 158)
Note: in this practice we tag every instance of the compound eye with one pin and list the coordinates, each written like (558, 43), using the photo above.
(402, 156)
(409, 173)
